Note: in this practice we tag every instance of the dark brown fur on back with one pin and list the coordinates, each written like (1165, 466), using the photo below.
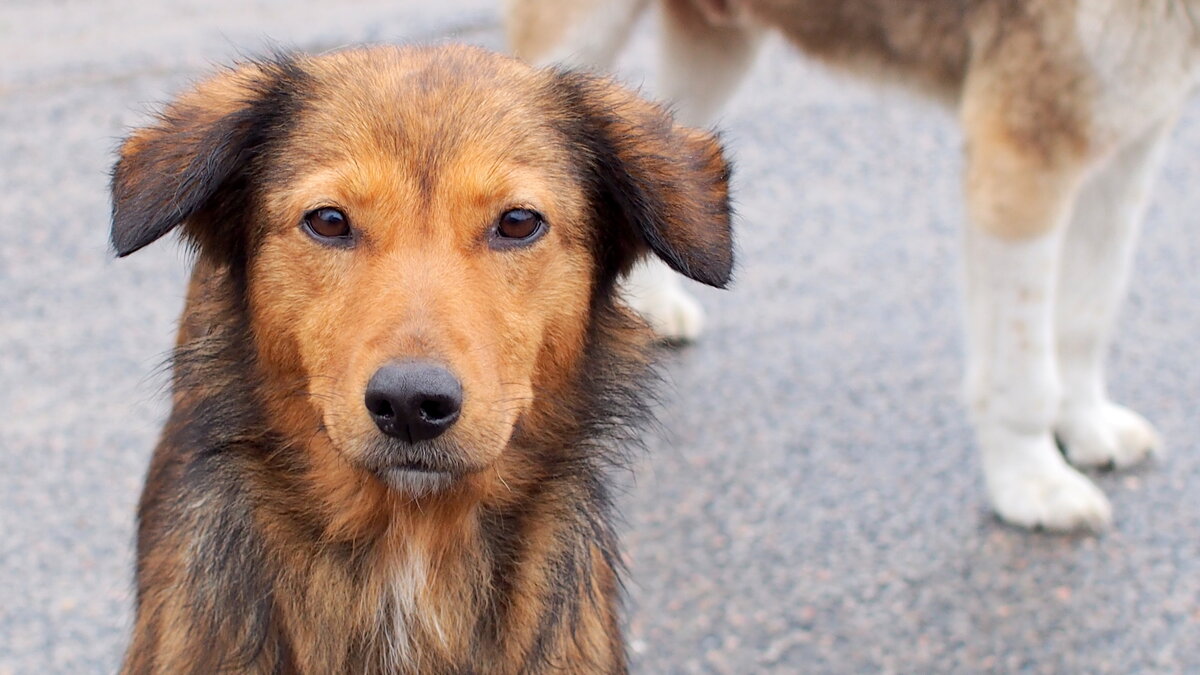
(267, 541)
(924, 39)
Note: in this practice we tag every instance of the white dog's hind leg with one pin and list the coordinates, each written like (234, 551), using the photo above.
(1097, 256)
(701, 67)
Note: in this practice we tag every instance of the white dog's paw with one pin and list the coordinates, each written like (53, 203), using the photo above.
(657, 294)
(1106, 435)
(1031, 486)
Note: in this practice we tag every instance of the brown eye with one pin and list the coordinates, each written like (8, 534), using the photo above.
(328, 225)
(519, 226)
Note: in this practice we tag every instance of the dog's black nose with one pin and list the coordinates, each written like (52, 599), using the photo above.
(414, 401)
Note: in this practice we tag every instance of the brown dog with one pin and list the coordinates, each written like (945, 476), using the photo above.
(401, 371)
(1065, 106)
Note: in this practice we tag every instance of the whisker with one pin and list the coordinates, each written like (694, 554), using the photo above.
(501, 478)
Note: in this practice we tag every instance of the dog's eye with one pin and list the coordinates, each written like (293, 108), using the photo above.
(328, 225)
(517, 227)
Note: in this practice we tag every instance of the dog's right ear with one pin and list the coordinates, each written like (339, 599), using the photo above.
(171, 173)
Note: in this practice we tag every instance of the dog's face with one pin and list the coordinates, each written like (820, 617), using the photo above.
(422, 236)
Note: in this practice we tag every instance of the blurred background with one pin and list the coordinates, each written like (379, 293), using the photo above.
(813, 501)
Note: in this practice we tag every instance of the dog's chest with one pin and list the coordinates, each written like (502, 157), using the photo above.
(1143, 56)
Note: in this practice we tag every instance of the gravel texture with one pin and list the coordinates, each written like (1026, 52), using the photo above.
(813, 502)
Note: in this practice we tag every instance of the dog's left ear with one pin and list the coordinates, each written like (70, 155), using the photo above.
(663, 186)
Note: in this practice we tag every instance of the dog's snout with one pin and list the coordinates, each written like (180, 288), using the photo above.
(414, 401)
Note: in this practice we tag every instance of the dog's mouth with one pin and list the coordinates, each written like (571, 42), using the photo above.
(417, 479)
(420, 469)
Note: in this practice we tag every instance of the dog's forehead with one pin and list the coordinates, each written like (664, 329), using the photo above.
(425, 103)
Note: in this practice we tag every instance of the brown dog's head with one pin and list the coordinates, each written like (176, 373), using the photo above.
(421, 239)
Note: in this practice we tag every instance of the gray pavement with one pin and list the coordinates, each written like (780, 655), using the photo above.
(813, 503)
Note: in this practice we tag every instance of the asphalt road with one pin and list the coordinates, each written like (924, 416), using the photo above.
(813, 503)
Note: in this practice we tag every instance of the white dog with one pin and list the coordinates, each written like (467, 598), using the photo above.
(1065, 106)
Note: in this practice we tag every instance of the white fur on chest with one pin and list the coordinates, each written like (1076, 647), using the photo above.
(408, 581)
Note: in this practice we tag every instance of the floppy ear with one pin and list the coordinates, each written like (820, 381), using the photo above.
(172, 172)
(666, 186)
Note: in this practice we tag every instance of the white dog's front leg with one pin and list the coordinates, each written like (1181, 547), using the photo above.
(1013, 387)
(1097, 255)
